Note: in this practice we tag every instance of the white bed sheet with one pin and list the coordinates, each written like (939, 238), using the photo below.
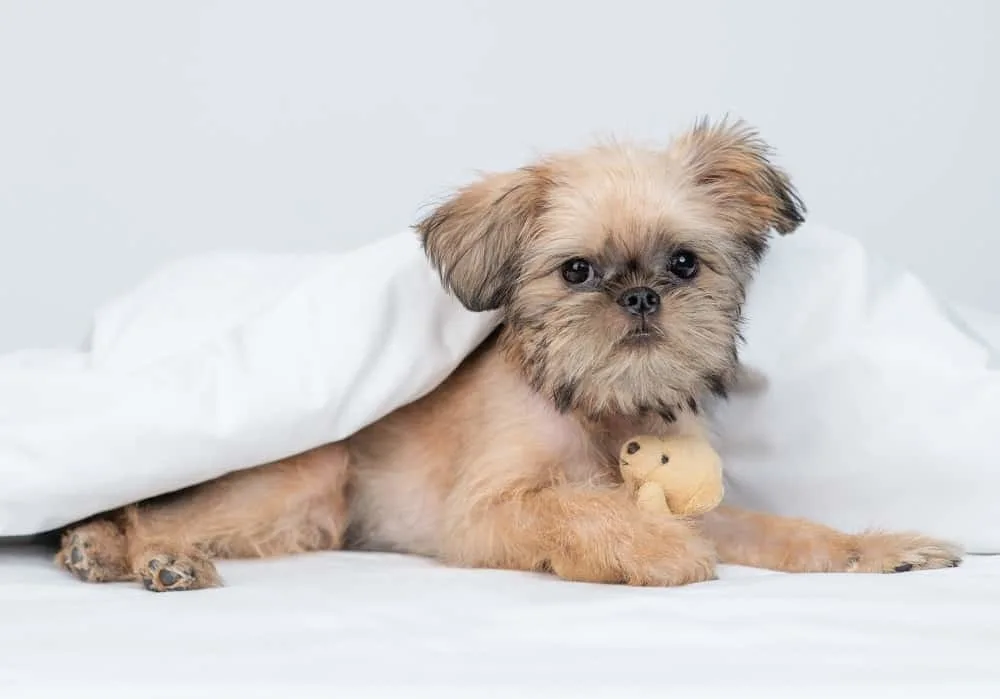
(356, 624)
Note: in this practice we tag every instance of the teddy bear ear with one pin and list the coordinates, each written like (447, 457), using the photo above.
(632, 447)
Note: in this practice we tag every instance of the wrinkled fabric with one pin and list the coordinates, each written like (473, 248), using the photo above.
(882, 402)
(219, 363)
(372, 625)
(880, 409)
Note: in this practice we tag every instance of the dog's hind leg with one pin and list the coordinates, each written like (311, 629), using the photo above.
(95, 551)
(287, 507)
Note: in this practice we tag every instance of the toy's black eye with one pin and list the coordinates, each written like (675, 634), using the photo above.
(578, 271)
(684, 264)
(632, 447)
(664, 458)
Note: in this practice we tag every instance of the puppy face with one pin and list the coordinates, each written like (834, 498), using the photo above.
(620, 271)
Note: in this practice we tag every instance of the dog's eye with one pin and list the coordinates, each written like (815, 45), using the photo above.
(577, 271)
(684, 264)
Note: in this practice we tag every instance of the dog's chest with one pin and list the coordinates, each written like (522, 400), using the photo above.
(586, 450)
(565, 441)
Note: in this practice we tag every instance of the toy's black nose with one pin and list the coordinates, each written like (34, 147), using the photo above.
(639, 300)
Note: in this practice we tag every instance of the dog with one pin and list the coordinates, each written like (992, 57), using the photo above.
(619, 272)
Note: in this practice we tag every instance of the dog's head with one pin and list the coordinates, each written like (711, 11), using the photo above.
(620, 271)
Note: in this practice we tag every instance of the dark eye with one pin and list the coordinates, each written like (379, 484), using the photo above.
(577, 271)
(664, 459)
(632, 447)
(684, 264)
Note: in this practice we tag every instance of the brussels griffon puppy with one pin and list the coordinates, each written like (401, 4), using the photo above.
(619, 273)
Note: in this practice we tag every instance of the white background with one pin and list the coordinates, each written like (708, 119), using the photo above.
(132, 133)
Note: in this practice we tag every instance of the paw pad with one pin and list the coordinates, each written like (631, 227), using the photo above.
(170, 573)
(168, 578)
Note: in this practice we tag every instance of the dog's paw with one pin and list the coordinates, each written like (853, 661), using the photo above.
(169, 573)
(899, 553)
(665, 554)
(94, 552)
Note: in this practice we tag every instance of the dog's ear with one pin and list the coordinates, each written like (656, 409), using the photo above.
(475, 238)
(732, 163)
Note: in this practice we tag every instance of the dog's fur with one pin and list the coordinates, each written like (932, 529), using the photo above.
(510, 463)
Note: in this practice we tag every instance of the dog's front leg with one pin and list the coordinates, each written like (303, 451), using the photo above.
(799, 546)
(583, 532)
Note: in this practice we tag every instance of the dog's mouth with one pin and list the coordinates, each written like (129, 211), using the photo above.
(642, 333)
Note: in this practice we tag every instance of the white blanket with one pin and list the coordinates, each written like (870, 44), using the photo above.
(218, 363)
(367, 625)
(881, 411)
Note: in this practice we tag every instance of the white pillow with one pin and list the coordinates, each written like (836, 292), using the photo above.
(883, 404)
(218, 363)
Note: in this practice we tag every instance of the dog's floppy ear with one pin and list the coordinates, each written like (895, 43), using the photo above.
(475, 238)
(732, 163)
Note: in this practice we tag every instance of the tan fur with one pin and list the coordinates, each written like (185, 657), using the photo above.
(511, 462)
(798, 546)
(290, 507)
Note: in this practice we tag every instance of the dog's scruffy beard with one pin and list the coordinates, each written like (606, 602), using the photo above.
(560, 245)
(569, 354)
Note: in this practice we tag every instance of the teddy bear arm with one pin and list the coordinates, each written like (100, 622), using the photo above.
(652, 497)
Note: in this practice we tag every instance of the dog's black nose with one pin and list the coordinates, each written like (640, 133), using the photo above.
(639, 301)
